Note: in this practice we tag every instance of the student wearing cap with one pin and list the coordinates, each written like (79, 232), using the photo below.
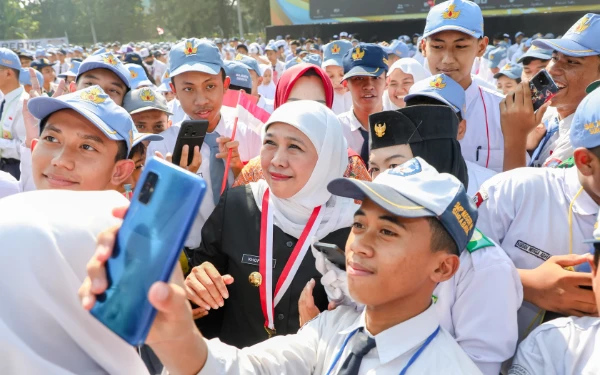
(44, 66)
(255, 73)
(575, 64)
(334, 66)
(239, 75)
(508, 77)
(165, 88)
(12, 127)
(25, 57)
(496, 58)
(406, 238)
(106, 71)
(364, 74)
(523, 48)
(534, 60)
(137, 76)
(155, 68)
(566, 345)
(396, 51)
(512, 204)
(70, 75)
(148, 109)
(516, 46)
(267, 87)
(452, 40)
(400, 78)
(278, 66)
(62, 66)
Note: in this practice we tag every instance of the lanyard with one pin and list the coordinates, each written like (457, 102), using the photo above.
(487, 129)
(410, 361)
(292, 265)
(550, 130)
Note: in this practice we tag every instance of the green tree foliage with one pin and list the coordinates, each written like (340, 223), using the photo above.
(15, 21)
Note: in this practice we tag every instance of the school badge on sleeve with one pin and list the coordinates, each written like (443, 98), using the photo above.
(6, 134)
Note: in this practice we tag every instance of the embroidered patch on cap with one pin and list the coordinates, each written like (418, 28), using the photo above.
(409, 168)
(93, 95)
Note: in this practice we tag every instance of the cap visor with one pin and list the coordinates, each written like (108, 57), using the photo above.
(213, 69)
(509, 75)
(145, 82)
(364, 71)
(533, 55)
(565, 46)
(331, 62)
(382, 195)
(149, 108)
(83, 68)
(452, 27)
(432, 96)
(146, 137)
(592, 86)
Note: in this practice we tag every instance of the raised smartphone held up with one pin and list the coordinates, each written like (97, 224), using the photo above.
(542, 88)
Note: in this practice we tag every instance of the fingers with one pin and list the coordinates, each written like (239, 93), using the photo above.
(185, 151)
(119, 212)
(160, 156)
(96, 269)
(60, 89)
(228, 279)
(229, 146)
(85, 294)
(197, 293)
(577, 279)
(539, 114)
(168, 298)
(199, 312)
(568, 260)
(196, 161)
(214, 277)
(35, 84)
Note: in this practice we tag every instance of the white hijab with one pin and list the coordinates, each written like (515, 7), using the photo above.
(268, 91)
(324, 130)
(46, 239)
(408, 66)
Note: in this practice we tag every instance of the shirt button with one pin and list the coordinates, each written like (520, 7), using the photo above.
(280, 316)
(289, 244)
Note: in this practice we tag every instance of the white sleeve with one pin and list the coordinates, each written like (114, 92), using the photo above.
(533, 359)
(26, 182)
(496, 208)
(8, 185)
(291, 354)
(484, 313)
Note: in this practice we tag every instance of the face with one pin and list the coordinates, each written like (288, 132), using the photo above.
(138, 159)
(152, 121)
(272, 56)
(112, 85)
(149, 60)
(506, 84)
(69, 79)
(531, 69)
(267, 77)
(25, 62)
(287, 158)
(52, 58)
(201, 95)
(392, 58)
(162, 58)
(399, 85)
(336, 74)
(367, 92)
(49, 75)
(73, 154)
(256, 80)
(572, 75)
(308, 88)
(388, 158)
(242, 51)
(453, 53)
(169, 95)
(393, 256)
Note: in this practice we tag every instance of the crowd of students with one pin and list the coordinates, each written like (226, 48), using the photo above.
(469, 220)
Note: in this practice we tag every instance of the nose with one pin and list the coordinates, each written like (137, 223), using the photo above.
(200, 100)
(280, 159)
(448, 56)
(63, 159)
(361, 244)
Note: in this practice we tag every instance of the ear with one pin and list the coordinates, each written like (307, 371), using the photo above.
(447, 267)
(226, 84)
(173, 88)
(482, 45)
(169, 123)
(345, 83)
(34, 143)
(260, 80)
(585, 160)
(462, 129)
(423, 45)
(121, 172)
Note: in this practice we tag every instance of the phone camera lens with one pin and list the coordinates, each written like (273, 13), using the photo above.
(148, 188)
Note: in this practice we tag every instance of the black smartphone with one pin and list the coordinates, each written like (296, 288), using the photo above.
(191, 133)
(542, 88)
(333, 253)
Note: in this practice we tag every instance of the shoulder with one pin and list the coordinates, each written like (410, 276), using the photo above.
(449, 358)
(333, 321)
(491, 94)
(484, 254)
(558, 334)
(525, 178)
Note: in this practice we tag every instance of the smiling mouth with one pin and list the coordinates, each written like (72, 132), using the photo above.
(279, 177)
(58, 181)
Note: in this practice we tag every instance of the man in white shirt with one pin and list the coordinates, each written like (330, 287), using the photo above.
(155, 68)
(516, 46)
(12, 128)
(575, 64)
(541, 217)
(277, 65)
(453, 39)
(365, 69)
(406, 239)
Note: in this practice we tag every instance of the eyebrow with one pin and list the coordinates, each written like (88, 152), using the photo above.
(118, 84)
(89, 137)
(270, 135)
(393, 157)
(390, 218)
(443, 41)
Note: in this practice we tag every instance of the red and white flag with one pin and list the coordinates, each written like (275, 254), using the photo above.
(246, 110)
(160, 31)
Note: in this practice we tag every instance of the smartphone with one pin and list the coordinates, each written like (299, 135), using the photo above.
(542, 88)
(333, 253)
(148, 245)
(191, 133)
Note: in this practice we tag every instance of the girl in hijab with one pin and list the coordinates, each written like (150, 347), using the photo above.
(47, 237)
(303, 82)
(400, 78)
(267, 88)
(259, 234)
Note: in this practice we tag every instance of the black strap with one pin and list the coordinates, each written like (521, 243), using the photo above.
(364, 151)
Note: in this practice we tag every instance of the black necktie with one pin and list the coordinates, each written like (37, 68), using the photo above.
(364, 151)
(2, 108)
(361, 345)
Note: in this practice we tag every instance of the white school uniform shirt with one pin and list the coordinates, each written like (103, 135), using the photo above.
(350, 126)
(484, 133)
(526, 211)
(558, 147)
(313, 349)
(478, 306)
(477, 176)
(177, 111)
(266, 104)
(156, 70)
(8, 185)
(12, 127)
(225, 127)
(562, 346)
(279, 68)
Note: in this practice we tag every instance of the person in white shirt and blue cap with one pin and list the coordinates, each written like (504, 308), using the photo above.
(239, 75)
(396, 51)
(534, 60)
(459, 23)
(106, 71)
(508, 77)
(406, 239)
(277, 65)
(165, 87)
(519, 36)
(70, 75)
(137, 76)
(148, 109)
(254, 70)
(334, 66)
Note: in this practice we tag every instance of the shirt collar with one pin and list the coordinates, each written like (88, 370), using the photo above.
(13, 94)
(584, 204)
(221, 129)
(354, 123)
(401, 338)
(566, 122)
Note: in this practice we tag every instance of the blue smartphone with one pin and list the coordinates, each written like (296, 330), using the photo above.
(148, 246)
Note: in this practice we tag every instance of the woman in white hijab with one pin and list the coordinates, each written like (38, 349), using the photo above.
(267, 88)
(260, 234)
(46, 239)
(400, 78)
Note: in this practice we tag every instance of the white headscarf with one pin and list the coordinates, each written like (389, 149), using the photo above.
(46, 239)
(323, 129)
(268, 91)
(408, 66)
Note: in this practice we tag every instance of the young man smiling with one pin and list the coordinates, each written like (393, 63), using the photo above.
(452, 40)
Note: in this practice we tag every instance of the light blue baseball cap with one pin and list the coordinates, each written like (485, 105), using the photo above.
(137, 76)
(105, 61)
(195, 55)
(73, 70)
(100, 51)
(398, 48)
(582, 39)
(9, 59)
(536, 53)
(78, 49)
(250, 63)
(292, 63)
(458, 15)
(511, 70)
(165, 82)
(141, 137)
(25, 78)
(496, 56)
(239, 74)
(585, 128)
(334, 53)
(313, 58)
(93, 104)
(270, 47)
(442, 88)
(40, 52)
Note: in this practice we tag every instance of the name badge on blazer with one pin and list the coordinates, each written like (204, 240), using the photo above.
(253, 260)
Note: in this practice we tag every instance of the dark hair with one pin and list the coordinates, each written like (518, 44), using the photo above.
(242, 46)
(16, 71)
(426, 100)
(529, 60)
(310, 73)
(240, 88)
(223, 76)
(121, 151)
(140, 148)
(441, 240)
(127, 88)
(518, 80)
(295, 42)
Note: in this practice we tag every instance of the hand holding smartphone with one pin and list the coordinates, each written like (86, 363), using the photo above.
(332, 253)
(542, 88)
(191, 133)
